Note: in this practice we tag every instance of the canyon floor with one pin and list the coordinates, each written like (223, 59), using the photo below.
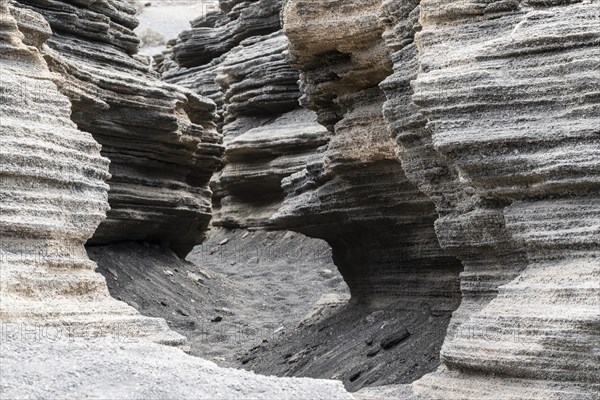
(274, 303)
(236, 291)
(108, 369)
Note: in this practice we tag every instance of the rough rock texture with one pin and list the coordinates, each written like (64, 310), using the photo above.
(268, 137)
(236, 59)
(355, 194)
(161, 139)
(517, 122)
(53, 196)
(342, 178)
(494, 108)
(240, 20)
(62, 335)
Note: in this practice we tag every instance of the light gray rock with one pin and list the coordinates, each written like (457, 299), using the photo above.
(493, 107)
(52, 196)
(161, 139)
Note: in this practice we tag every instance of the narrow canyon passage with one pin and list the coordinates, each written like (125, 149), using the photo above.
(320, 199)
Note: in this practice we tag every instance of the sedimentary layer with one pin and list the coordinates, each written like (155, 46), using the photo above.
(355, 194)
(161, 139)
(53, 197)
(494, 110)
(236, 58)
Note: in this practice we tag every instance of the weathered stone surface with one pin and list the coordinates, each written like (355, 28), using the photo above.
(53, 196)
(161, 139)
(236, 59)
(248, 190)
(241, 20)
(494, 109)
(355, 194)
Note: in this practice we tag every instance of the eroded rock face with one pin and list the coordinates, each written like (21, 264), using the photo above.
(494, 111)
(53, 197)
(236, 58)
(161, 139)
(355, 194)
(509, 93)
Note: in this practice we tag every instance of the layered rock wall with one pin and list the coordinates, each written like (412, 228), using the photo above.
(494, 109)
(236, 58)
(355, 194)
(345, 181)
(53, 196)
(514, 111)
(161, 139)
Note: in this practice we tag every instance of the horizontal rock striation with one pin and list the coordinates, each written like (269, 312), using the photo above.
(241, 20)
(494, 107)
(236, 58)
(193, 59)
(268, 136)
(248, 190)
(355, 194)
(53, 196)
(162, 140)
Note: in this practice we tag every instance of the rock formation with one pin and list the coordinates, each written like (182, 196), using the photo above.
(342, 177)
(161, 139)
(355, 194)
(61, 334)
(510, 102)
(53, 197)
(494, 109)
(343, 180)
(447, 151)
(236, 59)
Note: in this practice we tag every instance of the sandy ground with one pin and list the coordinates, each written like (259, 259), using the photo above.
(360, 344)
(274, 303)
(44, 367)
(238, 290)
